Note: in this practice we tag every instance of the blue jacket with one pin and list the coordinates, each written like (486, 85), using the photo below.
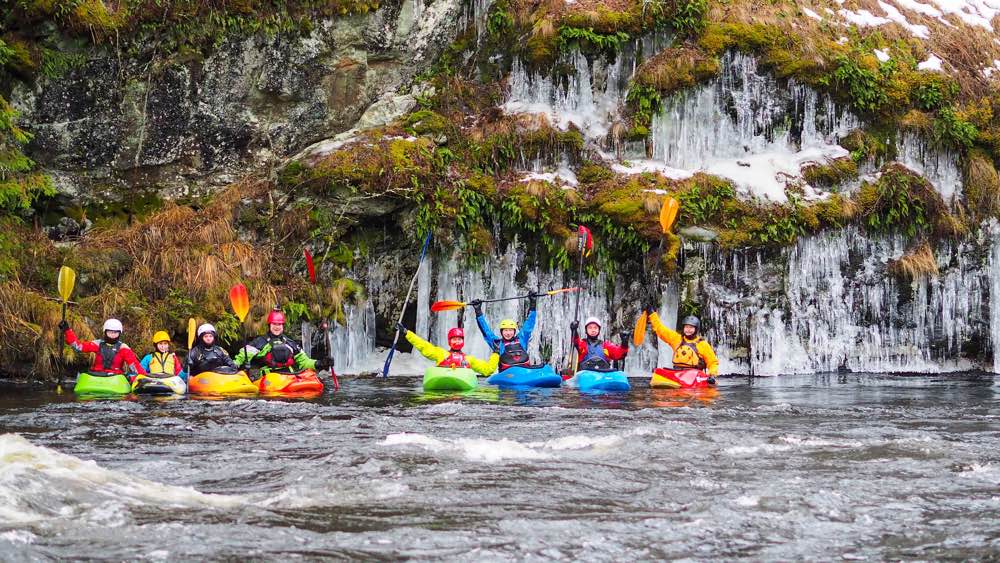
(496, 343)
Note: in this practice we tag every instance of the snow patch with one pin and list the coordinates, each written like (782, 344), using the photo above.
(893, 14)
(812, 14)
(882, 55)
(932, 63)
(645, 165)
(863, 18)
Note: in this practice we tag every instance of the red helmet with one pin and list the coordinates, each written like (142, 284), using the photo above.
(276, 317)
(456, 332)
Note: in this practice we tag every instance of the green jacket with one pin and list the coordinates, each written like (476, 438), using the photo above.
(270, 352)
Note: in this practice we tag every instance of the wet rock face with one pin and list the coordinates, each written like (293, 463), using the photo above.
(178, 126)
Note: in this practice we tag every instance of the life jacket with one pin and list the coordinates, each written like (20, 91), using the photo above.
(513, 354)
(108, 354)
(687, 356)
(163, 363)
(594, 357)
(281, 354)
(208, 359)
(454, 359)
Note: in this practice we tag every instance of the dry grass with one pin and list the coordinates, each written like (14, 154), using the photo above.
(916, 264)
(29, 332)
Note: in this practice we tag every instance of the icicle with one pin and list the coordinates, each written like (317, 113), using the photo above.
(939, 167)
(994, 230)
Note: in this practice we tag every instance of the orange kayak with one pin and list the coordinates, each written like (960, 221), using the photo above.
(305, 382)
(665, 378)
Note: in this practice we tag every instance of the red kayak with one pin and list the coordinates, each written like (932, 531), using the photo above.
(300, 383)
(665, 378)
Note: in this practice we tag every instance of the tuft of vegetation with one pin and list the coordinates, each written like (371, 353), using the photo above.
(917, 263)
(833, 172)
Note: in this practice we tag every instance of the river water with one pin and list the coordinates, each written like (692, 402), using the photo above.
(815, 467)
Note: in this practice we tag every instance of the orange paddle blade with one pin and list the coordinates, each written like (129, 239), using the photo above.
(240, 300)
(440, 306)
(639, 336)
(668, 214)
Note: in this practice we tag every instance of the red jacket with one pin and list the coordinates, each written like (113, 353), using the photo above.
(608, 351)
(124, 360)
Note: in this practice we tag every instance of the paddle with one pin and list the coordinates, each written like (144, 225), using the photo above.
(441, 306)
(668, 216)
(64, 282)
(395, 339)
(191, 331)
(240, 301)
(584, 243)
(311, 268)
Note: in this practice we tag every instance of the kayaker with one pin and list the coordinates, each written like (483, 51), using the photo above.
(511, 345)
(161, 360)
(691, 351)
(453, 357)
(595, 353)
(111, 355)
(207, 355)
(276, 351)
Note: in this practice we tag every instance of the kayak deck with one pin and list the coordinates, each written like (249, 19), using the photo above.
(437, 378)
(542, 375)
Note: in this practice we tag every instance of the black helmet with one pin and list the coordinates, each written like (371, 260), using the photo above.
(693, 321)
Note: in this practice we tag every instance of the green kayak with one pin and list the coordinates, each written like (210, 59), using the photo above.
(102, 384)
(450, 379)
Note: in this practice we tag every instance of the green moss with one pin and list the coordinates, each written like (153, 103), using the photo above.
(832, 173)
(900, 201)
(870, 146)
(426, 122)
(593, 173)
(677, 68)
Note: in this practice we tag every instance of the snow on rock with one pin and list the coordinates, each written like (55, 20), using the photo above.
(894, 14)
(640, 166)
(863, 18)
(767, 174)
(812, 14)
(972, 12)
(882, 55)
(563, 175)
(932, 63)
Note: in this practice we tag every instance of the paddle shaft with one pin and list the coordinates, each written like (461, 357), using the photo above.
(402, 312)
(576, 314)
(60, 339)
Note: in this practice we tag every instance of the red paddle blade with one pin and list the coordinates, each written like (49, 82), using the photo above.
(440, 306)
(588, 240)
(240, 301)
(309, 265)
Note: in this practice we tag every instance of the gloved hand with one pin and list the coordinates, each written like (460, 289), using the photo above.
(477, 306)
(711, 380)
(533, 300)
(625, 337)
(63, 325)
(652, 305)
(574, 326)
(402, 329)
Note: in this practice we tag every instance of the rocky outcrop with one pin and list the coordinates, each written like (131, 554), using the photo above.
(117, 123)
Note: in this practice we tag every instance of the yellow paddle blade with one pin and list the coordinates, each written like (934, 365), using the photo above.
(240, 301)
(668, 214)
(191, 329)
(563, 290)
(639, 336)
(439, 306)
(66, 281)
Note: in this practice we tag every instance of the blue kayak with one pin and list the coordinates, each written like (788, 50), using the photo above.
(526, 376)
(589, 380)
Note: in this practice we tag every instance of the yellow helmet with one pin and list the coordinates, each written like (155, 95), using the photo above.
(508, 323)
(160, 337)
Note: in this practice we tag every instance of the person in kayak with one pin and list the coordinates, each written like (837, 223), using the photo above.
(207, 355)
(511, 345)
(161, 360)
(595, 353)
(691, 351)
(111, 355)
(275, 351)
(453, 357)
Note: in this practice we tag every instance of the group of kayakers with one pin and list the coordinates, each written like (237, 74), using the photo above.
(272, 351)
(510, 347)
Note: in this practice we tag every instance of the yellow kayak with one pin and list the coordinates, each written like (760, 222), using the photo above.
(215, 383)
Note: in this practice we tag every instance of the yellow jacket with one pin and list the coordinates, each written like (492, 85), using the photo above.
(688, 352)
(438, 354)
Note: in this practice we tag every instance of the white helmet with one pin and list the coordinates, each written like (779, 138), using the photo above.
(113, 324)
(205, 328)
(593, 320)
